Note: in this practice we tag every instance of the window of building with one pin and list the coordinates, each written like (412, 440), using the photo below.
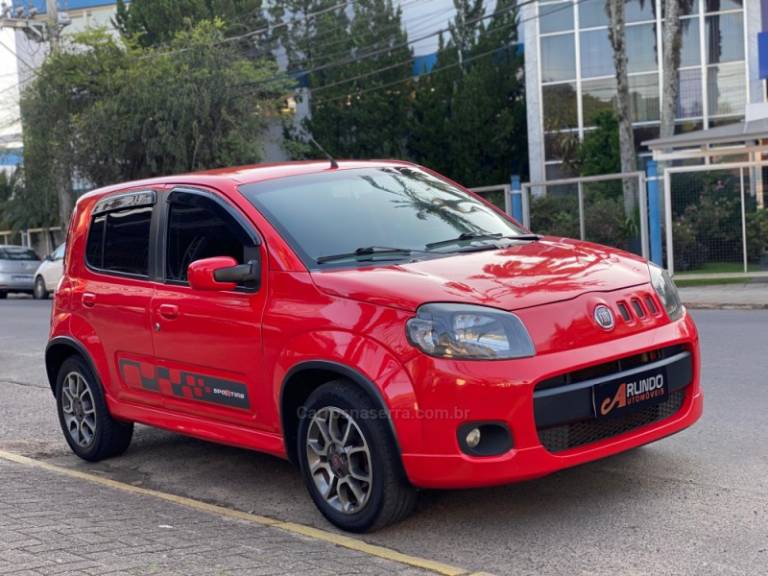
(644, 92)
(559, 145)
(558, 58)
(119, 241)
(596, 54)
(689, 98)
(725, 38)
(597, 96)
(592, 13)
(641, 48)
(639, 10)
(643, 134)
(690, 53)
(555, 17)
(722, 5)
(199, 227)
(559, 107)
(726, 89)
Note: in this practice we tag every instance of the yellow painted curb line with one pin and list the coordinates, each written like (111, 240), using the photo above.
(291, 527)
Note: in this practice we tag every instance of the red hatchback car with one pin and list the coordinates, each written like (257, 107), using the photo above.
(375, 323)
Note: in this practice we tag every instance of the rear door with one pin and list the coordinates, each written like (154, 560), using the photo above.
(113, 291)
(208, 343)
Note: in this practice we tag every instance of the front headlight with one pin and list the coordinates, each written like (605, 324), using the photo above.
(665, 287)
(470, 332)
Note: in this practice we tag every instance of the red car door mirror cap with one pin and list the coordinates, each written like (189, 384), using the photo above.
(202, 273)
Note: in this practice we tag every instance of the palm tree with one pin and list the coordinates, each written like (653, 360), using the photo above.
(617, 36)
(672, 42)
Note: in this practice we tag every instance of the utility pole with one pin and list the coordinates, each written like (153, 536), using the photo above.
(52, 11)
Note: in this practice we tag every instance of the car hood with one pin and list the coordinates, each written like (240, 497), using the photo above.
(520, 276)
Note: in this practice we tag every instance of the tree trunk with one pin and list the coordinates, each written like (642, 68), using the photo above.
(672, 40)
(616, 33)
(62, 179)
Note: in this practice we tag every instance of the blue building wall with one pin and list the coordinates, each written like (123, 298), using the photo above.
(64, 5)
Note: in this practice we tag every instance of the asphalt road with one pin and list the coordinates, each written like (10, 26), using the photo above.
(695, 503)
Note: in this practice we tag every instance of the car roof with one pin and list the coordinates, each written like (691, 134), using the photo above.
(248, 174)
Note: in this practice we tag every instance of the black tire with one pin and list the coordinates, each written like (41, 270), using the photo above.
(3, 295)
(111, 437)
(391, 497)
(40, 292)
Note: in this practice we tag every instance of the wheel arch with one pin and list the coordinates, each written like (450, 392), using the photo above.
(57, 351)
(303, 378)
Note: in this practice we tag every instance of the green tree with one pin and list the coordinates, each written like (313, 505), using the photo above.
(153, 22)
(469, 116)
(359, 70)
(120, 112)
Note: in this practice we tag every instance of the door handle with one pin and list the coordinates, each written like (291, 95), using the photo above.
(88, 299)
(169, 311)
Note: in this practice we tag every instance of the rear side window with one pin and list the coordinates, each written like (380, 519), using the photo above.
(13, 253)
(119, 241)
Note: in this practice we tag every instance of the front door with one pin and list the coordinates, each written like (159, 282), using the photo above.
(207, 343)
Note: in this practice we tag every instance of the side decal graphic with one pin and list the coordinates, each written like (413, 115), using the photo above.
(183, 384)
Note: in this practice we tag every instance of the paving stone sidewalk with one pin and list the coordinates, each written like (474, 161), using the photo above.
(52, 524)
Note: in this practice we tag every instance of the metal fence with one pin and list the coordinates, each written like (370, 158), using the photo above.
(609, 209)
(42, 240)
(716, 219)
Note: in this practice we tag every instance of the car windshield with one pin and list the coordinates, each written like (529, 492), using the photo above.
(376, 214)
(13, 253)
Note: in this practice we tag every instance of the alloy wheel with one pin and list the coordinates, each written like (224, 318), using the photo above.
(339, 460)
(78, 409)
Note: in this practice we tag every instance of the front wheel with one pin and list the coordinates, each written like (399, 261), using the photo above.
(349, 460)
(88, 427)
(40, 292)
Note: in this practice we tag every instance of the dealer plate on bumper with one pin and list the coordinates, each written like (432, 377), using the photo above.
(618, 397)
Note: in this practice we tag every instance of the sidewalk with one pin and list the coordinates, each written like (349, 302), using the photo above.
(752, 295)
(52, 524)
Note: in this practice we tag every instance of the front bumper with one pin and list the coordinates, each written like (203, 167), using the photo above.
(17, 282)
(487, 392)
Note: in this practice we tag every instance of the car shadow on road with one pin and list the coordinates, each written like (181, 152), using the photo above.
(270, 486)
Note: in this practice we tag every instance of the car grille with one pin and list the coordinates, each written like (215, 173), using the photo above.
(567, 436)
(583, 428)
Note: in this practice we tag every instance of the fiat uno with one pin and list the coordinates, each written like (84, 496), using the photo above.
(373, 322)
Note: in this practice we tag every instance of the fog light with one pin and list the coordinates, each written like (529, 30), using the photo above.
(473, 438)
(484, 438)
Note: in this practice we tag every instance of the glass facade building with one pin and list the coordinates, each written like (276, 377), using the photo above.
(571, 79)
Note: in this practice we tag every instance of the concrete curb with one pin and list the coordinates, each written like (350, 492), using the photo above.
(720, 306)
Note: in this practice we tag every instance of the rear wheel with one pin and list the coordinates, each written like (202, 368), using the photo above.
(40, 292)
(88, 427)
(3, 295)
(349, 460)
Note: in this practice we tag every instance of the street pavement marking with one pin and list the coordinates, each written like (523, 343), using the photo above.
(292, 527)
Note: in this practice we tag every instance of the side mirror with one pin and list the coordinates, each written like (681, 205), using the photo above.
(49, 258)
(223, 273)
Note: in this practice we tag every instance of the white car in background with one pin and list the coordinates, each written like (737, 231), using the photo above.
(49, 273)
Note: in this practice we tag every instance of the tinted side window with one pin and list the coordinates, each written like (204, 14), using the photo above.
(200, 228)
(119, 241)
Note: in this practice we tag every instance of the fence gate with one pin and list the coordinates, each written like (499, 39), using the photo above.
(609, 209)
(716, 220)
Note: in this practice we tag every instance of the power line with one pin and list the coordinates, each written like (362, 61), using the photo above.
(433, 71)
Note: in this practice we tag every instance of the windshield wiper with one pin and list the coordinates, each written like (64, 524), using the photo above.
(472, 236)
(365, 253)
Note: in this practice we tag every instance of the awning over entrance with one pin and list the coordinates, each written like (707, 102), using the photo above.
(745, 137)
